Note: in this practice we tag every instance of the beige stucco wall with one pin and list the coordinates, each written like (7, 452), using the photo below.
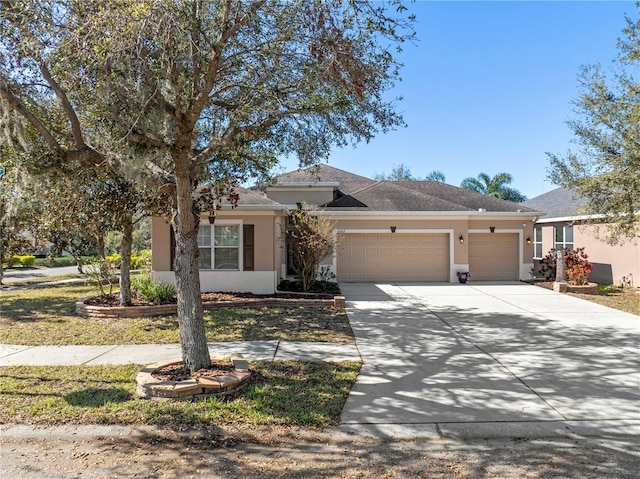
(459, 227)
(266, 235)
(610, 262)
(270, 255)
(160, 244)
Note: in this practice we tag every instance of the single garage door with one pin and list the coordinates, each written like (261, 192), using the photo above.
(493, 256)
(393, 257)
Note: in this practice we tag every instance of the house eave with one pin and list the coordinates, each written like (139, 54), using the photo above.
(569, 219)
(428, 214)
(293, 186)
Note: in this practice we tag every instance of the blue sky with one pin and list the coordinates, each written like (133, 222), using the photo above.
(489, 87)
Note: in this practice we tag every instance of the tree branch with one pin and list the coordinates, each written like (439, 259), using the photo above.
(66, 107)
(31, 118)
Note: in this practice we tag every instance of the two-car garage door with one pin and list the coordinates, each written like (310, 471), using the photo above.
(393, 257)
(424, 257)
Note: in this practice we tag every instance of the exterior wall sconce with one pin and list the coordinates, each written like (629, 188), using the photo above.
(461, 239)
(528, 239)
(212, 217)
(393, 229)
(492, 229)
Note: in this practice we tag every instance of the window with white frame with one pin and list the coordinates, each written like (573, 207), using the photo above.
(219, 247)
(537, 242)
(564, 237)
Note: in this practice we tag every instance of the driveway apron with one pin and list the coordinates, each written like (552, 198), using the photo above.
(489, 353)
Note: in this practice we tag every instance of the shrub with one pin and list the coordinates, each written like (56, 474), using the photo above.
(578, 267)
(114, 259)
(24, 260)
(101, 272)
(576, 264)
(310, 241)
(138, 260)
(141, 259)
(152, 290)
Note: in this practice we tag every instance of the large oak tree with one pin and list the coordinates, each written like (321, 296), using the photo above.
(205, 94)
(604, 168)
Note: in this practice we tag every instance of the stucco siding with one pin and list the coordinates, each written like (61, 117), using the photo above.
(160, 244)
(266, 235)
(610, 262)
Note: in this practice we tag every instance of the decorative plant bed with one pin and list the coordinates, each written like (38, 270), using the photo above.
(96, 311)
(167, 380)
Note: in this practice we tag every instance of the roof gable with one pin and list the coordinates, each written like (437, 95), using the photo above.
(322, 173)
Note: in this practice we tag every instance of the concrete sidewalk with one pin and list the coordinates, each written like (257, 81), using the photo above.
(17, 355)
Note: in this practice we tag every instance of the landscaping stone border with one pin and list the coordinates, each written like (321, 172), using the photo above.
(114, 312)
(205, 386)
(589, 288)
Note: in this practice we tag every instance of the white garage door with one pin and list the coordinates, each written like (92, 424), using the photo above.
(393, 257)
(493, 256)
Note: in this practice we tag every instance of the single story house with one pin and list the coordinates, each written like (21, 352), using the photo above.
(384, 230)
(564, 227)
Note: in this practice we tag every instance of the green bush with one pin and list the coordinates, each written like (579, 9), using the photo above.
(24, 260)
(102, 272)
(114, 259)
(141, 259)
(152, 290)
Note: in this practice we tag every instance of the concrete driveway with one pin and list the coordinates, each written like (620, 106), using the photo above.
(490, 360)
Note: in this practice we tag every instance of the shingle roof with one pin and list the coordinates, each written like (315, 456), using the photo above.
(391, 196)
(464, 198)
(349, 182)
(558, 203)
(250, 198)
(358, 193)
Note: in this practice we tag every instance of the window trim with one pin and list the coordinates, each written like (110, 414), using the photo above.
(564, 241)
(537, 240)
(239, 247)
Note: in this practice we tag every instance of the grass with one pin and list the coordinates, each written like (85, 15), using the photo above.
(46, 316)
(615, 297)
(308, 394)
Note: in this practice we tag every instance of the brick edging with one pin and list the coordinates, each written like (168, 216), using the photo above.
(109, 312)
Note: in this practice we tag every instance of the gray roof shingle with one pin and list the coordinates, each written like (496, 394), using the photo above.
(558, 203)
(358, 193)
(349, 182)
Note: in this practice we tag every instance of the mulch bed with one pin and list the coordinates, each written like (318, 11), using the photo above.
(177, 372)
(114, 300)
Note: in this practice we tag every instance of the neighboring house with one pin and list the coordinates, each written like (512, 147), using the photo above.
(384, 230)
(563, 226)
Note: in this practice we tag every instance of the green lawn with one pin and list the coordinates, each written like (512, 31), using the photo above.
(46, 316)
(285, 393)
(308, 394)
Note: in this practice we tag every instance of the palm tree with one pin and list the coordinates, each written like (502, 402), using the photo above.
(496, 186)
(436, 175)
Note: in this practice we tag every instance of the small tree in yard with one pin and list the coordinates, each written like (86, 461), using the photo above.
(310, 241)
(576, 264)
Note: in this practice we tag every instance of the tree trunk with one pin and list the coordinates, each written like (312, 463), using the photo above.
(195, 352)
(1, 248)
(125, 264)
(561, 275)
(100, 245)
